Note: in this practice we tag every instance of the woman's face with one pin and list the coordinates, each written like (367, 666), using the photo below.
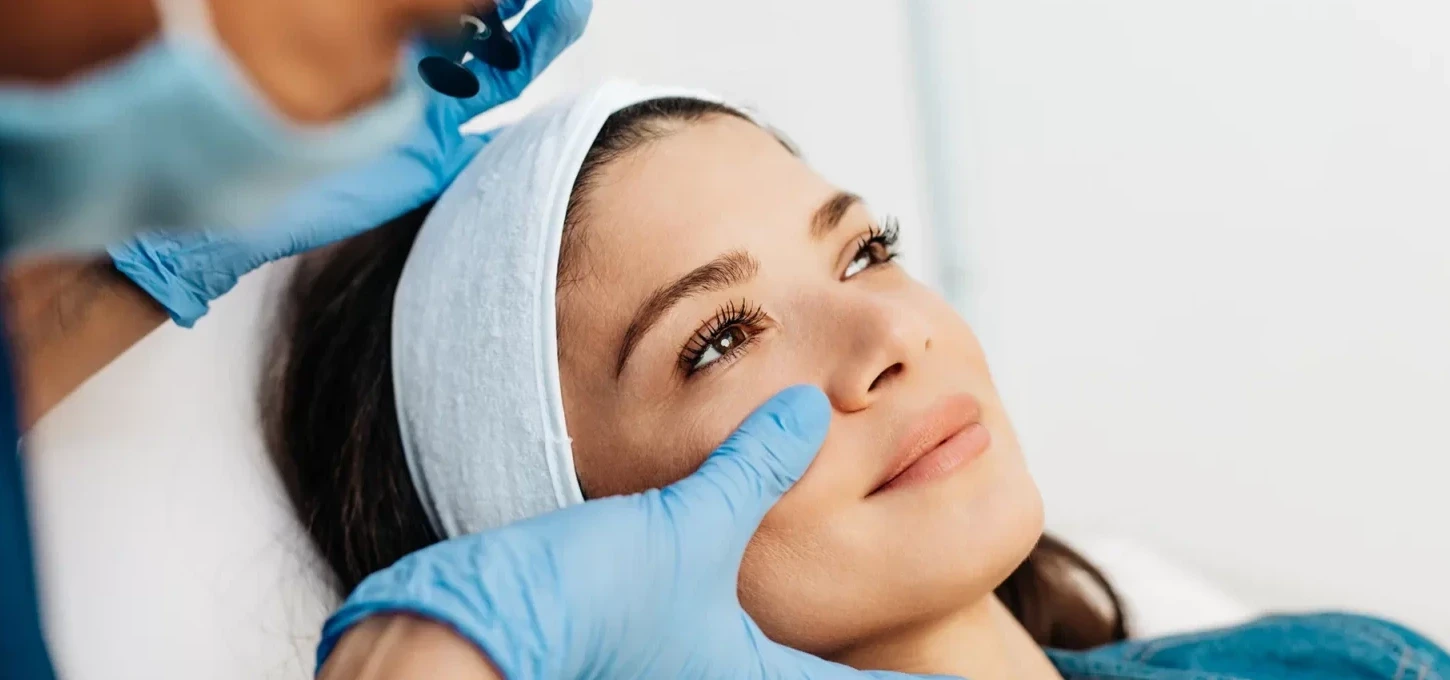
(715, 269)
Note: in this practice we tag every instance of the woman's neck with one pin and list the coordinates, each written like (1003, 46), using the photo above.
(981, 642)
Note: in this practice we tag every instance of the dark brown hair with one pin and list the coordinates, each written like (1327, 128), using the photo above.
(333, 432)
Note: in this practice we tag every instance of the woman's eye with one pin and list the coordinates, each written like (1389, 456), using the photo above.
(725, 337)
(871, 253)
(729, 338)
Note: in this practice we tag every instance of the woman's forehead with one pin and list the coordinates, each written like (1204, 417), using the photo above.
(718, 184)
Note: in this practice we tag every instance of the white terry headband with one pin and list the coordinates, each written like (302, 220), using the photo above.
(475, 361)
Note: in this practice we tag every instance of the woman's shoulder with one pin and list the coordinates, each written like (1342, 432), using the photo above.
(1308, 646)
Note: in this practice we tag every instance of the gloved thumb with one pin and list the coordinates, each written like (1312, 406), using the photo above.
(731, 492)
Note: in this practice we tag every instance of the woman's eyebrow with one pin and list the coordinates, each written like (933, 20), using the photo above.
(830, 213)
(728, 270)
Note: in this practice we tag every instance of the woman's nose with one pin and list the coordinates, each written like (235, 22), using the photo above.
(882, 343)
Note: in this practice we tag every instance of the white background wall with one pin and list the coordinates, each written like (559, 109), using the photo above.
(1207, 243)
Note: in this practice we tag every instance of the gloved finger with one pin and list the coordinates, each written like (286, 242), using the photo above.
(184, 271)
(724, 501)
(808, 667)
(460, 156)
(336, 207)
(507, 9)
(543, 33)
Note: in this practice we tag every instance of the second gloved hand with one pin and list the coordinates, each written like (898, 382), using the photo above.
(640, 586)
(186, 271)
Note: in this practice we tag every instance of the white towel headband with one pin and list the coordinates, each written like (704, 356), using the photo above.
(475, 362)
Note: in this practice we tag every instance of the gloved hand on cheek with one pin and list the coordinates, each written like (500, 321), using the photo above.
(640, 586)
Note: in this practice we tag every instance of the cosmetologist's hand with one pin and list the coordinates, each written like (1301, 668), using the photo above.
(186, 271)
(640, 586)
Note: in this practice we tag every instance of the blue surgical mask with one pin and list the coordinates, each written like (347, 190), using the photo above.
(173, 136)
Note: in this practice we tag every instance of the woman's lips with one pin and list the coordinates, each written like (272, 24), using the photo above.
(945, 438)
(962, 448)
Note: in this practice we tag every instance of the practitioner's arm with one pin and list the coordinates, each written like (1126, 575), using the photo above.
(185, 272)
(68, 318)
(78, 315)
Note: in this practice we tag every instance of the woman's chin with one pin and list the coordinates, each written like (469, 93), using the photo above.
(892, 561)
(994, 501)
(964, 536)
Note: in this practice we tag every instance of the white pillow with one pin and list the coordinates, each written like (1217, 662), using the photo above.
(168, 549)
(166, 544)
(1161, 598)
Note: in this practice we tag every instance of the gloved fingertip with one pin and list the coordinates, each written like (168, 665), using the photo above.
(548, 28)
(758, 463)
(573, 15)
(508, 9)
(565, 18)
(802, 411)
(460, 156)
(781, 438)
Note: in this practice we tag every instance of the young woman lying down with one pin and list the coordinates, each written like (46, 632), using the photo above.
(594, 321)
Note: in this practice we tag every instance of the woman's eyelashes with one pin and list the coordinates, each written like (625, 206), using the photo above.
(876, 247)
(734, 327)
(737, 326)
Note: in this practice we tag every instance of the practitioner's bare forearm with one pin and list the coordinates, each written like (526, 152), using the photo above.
(68, 318)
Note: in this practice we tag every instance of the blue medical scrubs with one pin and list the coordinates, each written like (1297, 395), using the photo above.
(22, 648)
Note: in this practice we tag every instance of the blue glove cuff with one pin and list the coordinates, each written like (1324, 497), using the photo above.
(183, 302)
(480, 588)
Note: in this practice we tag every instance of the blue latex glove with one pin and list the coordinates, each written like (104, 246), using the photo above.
(640, 586)
(186, 271)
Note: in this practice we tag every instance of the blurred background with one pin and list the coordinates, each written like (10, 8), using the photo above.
(1205, 243)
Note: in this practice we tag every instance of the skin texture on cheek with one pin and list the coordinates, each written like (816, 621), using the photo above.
(627, 450)
(772, 584)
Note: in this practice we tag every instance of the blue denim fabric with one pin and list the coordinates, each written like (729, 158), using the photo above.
(1309, 647)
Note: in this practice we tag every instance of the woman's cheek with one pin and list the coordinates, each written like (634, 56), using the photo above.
(718, 410)
(681, 438)
(790, 583)
(770, 585)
